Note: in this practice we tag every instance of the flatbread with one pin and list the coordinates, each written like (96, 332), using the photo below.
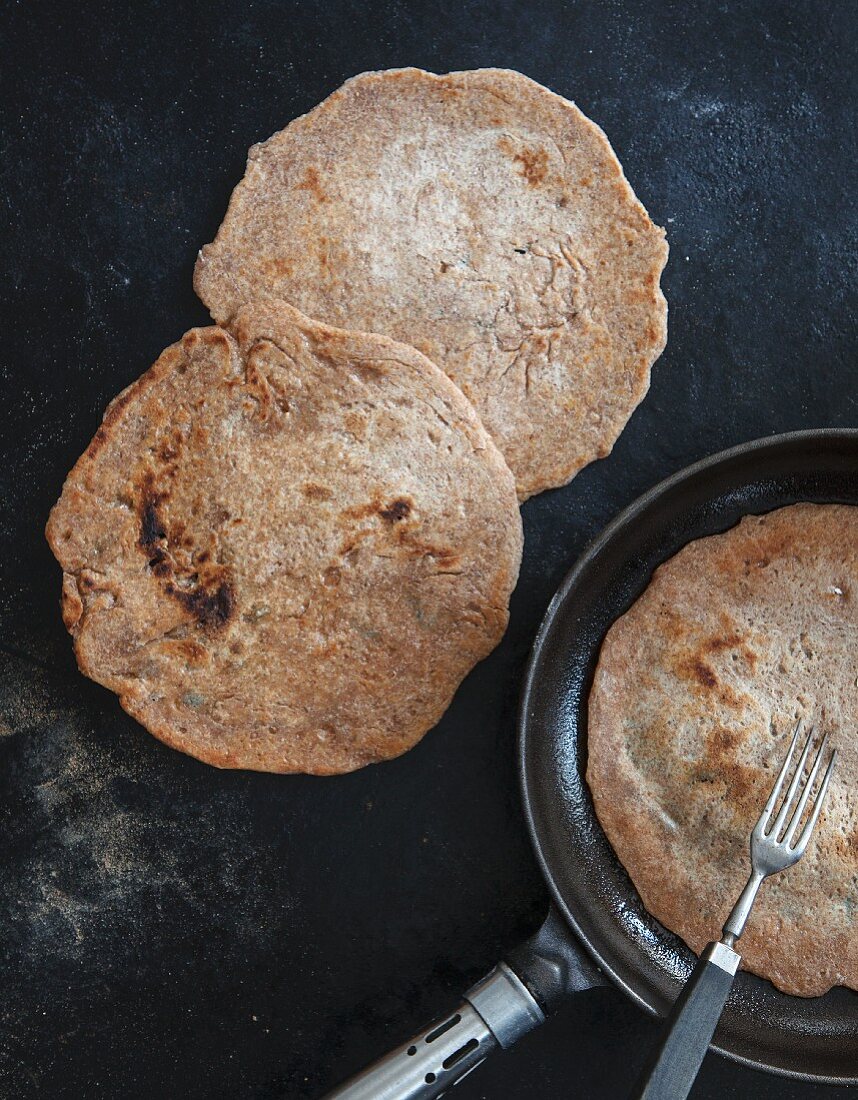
(287, 545)
(482, 219)
(695, 698)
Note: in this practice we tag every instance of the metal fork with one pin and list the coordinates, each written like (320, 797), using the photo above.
(671, 1071)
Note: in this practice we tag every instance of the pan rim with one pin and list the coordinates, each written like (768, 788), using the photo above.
(626, 516)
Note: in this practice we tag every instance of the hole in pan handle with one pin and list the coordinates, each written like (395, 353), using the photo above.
(510, 1001)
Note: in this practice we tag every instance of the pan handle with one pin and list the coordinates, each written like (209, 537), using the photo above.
(512, 1000)
(553, 964)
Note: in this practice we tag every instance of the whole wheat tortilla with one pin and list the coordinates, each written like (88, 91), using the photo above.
(479, 217)
(696, 694)
(287, 545)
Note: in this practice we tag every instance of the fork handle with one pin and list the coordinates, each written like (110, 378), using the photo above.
(671, 1071)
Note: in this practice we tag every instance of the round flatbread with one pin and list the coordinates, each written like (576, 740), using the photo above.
(696, 694)
(287, 545)
(482, 219)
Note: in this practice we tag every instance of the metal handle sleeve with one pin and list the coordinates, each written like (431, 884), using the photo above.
(496, 1012)
(690, 1027)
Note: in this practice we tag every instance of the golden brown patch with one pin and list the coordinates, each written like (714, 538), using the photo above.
(313, 184)
(722, 767)
(722, 744)
(700, 671)
(279, 268)
(362, 511)
(732, 642)
(193, 653)
(532, 163)
(324, 252)
(170, 445)
(316, 492)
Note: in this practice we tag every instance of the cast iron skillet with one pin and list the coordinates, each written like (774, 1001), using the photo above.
(597, 916)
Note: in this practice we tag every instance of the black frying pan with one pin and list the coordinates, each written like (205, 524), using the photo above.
(599, 916)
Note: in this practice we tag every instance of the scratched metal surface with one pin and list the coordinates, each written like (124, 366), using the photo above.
(167, 929)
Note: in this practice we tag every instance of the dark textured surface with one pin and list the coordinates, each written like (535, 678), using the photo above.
(168, 929)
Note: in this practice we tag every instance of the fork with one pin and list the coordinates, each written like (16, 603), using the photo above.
(673, 1067)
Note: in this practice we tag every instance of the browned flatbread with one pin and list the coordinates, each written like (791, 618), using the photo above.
(287, 545)
(482, 219)
(696, 694)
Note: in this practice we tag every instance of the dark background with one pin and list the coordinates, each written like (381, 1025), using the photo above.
(170, 930)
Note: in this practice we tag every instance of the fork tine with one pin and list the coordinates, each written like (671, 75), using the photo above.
(801, 843)
(776, 790)
(805, 794)
(793, 787)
